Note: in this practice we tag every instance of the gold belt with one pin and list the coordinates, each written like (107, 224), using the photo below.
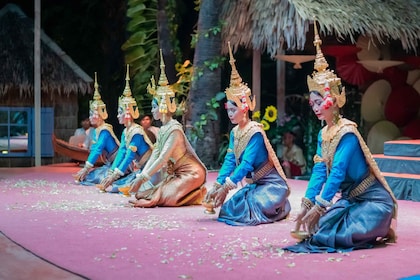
(362, 187)
(260, 173)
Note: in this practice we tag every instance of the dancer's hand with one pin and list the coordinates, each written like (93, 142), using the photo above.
(222, 192)
(220, 196)
(299, 223)
(300, 232)
(106, 182)
(81, 175)
(137, 182)
(311, 218)
(211, 194)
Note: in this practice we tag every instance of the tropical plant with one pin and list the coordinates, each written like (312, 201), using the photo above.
(197, 129)
(181, 88)
(141, 48)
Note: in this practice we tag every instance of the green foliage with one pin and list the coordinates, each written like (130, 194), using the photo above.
(310, 138)
(141, 47)
(197, 129)
(215, 63)
(173, 21)
(224, 145)
(213, 31)
(197, 5)
(287, 123)
(185, 73)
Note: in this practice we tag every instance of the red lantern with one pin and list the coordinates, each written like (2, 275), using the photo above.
(402, 105)
(412, 129)
(396, 76)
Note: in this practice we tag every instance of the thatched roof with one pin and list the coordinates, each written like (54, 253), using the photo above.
(59, 73)
(268, 25)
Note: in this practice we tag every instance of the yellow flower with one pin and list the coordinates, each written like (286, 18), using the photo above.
(266, 125)
(270, 113)
(256, 116)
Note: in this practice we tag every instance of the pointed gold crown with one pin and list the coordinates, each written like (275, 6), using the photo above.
(324, 80)
(163, 93)
(126, 100)
(237, 91)
(96, 104)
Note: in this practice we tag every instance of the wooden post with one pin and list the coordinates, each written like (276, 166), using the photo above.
(256, 78)
(281, 89)
(37, 81)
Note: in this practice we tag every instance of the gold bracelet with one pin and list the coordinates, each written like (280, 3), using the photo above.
(307, 203)
(319, 209)
(229, 184)
(322, 201)
(217, 185)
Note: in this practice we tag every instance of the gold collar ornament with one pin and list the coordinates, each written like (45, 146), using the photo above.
(237, 91)
(324, 80)
(126, 101)
(96, 104)
(163, 93)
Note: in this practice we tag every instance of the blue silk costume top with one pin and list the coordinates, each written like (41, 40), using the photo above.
(349, 164)
(133, 147)
(252, 157)
(263, 199)
(104, 141)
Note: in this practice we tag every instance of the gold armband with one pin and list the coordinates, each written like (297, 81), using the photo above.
(133, 148)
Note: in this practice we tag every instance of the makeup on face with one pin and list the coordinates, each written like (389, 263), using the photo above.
(316, 102)
(93, 117)
(233, 112)
(155, 110)
(120, 115)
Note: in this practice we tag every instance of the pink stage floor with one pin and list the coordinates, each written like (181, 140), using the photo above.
(74, 232)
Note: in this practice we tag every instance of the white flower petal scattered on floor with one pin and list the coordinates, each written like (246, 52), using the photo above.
(291, 264)
(183, 276)
(332, 259)
(244, 249)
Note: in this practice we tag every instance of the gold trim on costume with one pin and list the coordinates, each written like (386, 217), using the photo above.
(107, 127)
(241, 139)
(332, 138)
(363, 186)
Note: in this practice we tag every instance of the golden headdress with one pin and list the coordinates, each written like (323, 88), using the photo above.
(237, 91)
(324, 80)
(126, 101)
(163, 93)
(97, 105)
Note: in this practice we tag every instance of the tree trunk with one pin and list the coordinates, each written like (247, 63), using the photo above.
(165, 43)
(205, 87)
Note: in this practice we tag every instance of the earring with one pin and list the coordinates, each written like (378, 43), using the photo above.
(336, 117)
